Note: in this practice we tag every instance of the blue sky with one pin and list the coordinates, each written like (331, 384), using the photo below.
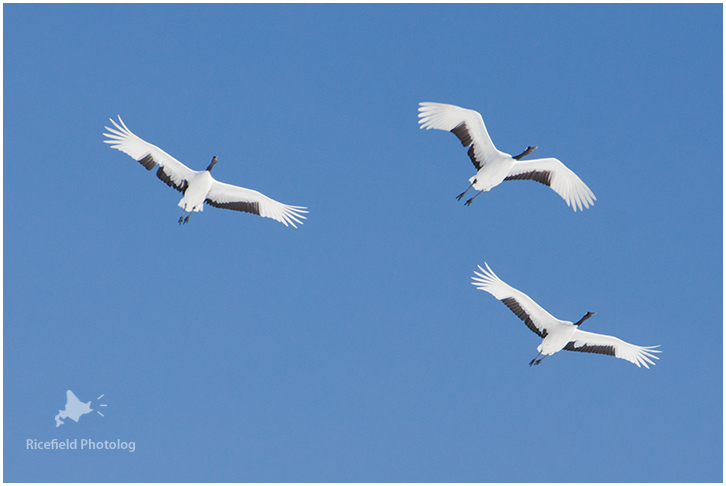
(354, 348)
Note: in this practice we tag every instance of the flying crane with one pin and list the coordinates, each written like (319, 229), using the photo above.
(556, 334)
(493, 167)
(199, 187)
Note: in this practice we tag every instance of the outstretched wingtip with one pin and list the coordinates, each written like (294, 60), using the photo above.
(483, 278)
(488, 268)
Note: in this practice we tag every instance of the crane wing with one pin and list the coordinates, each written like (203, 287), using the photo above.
(534, 316)
(590, 342)
(467, 125)
(553, 173)
(227, 196)
(171, 171)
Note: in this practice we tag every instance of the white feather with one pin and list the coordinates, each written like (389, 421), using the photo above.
(558, 334)
(199, 186)
(494, 166)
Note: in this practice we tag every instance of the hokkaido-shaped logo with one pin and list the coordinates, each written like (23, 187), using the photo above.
(75, 409)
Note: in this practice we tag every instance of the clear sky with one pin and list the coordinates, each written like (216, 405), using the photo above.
(355, 348)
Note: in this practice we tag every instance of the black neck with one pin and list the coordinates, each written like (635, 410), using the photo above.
(211, 164)
(525, 153)
(584, 318)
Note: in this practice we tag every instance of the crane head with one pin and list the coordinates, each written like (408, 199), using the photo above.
(211, 164)
(585, 317)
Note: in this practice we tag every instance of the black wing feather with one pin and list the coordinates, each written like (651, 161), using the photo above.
(164, 177)
(148, 162)
(462, 133)
(597, 349)
(247, 207)
(541, 176)
(514, 306)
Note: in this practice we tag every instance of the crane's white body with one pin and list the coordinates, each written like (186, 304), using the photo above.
(494, 166)
(493, 174)
(558, 334)
(198, 186)
(557, 338)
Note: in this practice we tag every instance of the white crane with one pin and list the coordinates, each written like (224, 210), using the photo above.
(199, 187)
(556, 334)
(494, 166)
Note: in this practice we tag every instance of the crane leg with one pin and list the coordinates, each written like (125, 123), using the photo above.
(535, 359)
(458, 198)
(182, 220)
(470, 200)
